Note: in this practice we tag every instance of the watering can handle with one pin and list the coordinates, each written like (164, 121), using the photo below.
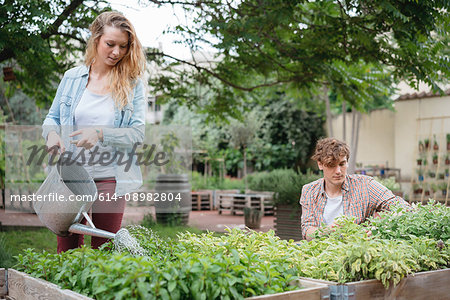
(88, 219)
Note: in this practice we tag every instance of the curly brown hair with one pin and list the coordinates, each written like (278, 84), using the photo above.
(329, 151)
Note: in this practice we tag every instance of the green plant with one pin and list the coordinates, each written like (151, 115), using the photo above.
(434, 187)
(443, 186)
(235, 265)
(199, 182)
(390, 183)
(197, 266)
(286, 183)
(435, 157)
(430, 220)
(421, 146)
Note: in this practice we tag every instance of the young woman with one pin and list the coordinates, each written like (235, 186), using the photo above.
(100, 108)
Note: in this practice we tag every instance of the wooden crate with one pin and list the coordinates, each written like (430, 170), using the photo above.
(310, 291)
(202, 200)
(430, 285)
(235, 203)
(21, 286)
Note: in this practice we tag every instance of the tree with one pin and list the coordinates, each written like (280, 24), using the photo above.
(41, 39)
(315, 46)
(275, 131)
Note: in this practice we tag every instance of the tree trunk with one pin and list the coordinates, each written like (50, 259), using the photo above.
(329, 116)
(356, 117)
(245, 168)
(344, 125)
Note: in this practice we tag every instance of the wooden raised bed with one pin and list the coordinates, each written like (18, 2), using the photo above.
(430, 285)
(310, 291)
(15, 285)
(287, 222)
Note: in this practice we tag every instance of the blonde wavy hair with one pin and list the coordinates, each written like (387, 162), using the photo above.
(130, 68)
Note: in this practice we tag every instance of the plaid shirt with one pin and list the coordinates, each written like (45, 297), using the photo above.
(361, 197)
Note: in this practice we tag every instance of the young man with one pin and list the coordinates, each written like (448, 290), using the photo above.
(338, 193)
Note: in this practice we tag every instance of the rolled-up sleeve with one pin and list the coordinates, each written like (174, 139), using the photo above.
(308, 218)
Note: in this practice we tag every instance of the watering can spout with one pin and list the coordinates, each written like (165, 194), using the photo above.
(84, 229)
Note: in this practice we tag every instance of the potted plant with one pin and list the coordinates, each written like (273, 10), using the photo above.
(443, 188)
(431, 174)
(435, 144)
(447, 160)
(448, 141)
(421, 147)
(435, 159)
(441, 175)
(434, 188)
(427, 144)
(447, 172)
(419, 161)
(420, 174)
(417, 189)
(426, 190)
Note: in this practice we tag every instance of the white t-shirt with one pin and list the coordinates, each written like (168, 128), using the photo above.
(96, 111)
(333, 209)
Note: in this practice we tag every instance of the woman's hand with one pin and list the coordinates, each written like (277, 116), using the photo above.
(89, 137)
(54, 142)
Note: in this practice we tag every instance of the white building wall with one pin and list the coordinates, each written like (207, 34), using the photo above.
(390, 138)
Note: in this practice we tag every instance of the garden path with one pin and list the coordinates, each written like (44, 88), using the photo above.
(204, 220)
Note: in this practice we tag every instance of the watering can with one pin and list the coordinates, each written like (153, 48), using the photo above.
(65, 197)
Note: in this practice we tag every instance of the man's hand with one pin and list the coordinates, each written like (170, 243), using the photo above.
(329, 228)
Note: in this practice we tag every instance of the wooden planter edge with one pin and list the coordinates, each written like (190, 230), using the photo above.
(310, 290)
(19, 285)
(428, 284)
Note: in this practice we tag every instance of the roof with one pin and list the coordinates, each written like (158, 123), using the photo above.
(422, 95)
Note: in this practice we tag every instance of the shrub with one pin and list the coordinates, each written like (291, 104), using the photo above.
(286, 183)
(199, 182)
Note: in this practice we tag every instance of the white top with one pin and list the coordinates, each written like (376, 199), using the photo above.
(333, 209)
(96, 110)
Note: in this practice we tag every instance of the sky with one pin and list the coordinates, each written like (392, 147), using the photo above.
(150, 22)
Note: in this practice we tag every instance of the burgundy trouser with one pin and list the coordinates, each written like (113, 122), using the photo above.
(106, 215)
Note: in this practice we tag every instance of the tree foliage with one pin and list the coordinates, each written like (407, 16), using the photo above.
(280, 133)
(41, 39)
(343, 44)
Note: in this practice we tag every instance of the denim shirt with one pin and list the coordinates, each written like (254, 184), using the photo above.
(129, 124)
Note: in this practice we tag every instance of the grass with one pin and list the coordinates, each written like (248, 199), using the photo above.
(14, 242)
